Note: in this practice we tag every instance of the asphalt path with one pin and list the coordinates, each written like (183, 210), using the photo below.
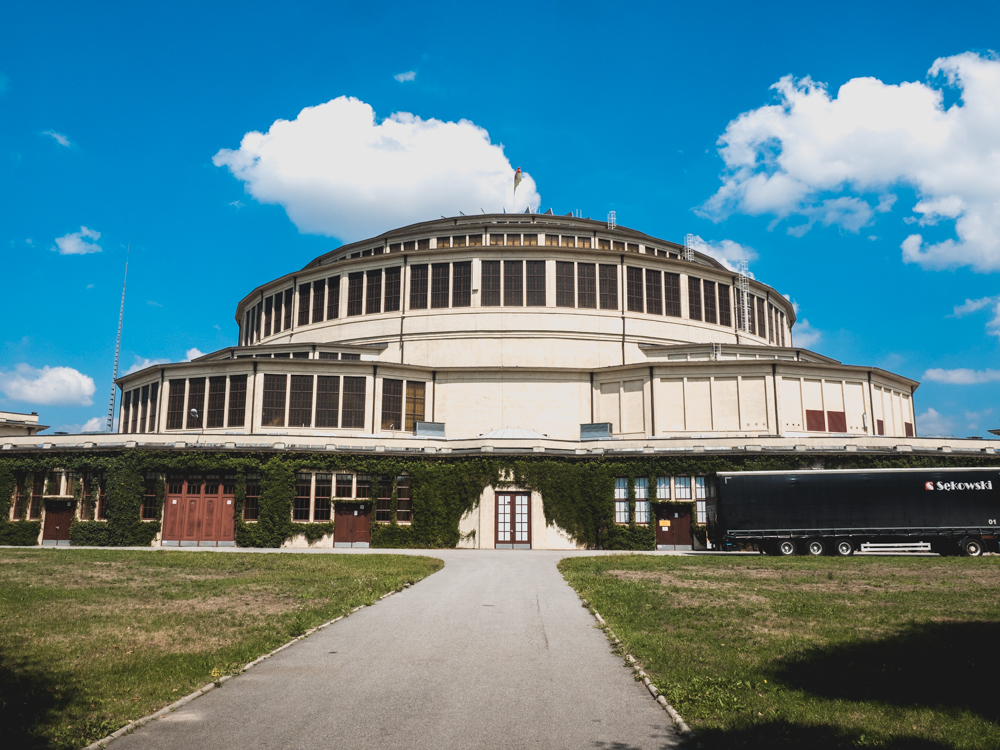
(494, 650)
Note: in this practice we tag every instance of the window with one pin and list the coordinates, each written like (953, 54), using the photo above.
(237, 400)
(273, 409)
(392, 404)
(514, 239)
(618, 246)
(439, 285)
(604, 244)
(126, 407)
(569, 241)
(175, 405)
(423, 244)
(383, 505)
(672, 294)
(216, 415)
(411, 245)
(513, 283)
(304, 292)
(663, 488)
(303, 490)
(414, 404)
(700, 492)
(418, 287)
(475, 240)
(333, 298)
(621, 488)
(355, 292)
(392, 277)
(907, 428)
(319, 303)
(288, 309)
(136, 408)
(145, 416)
(328, 355)
(642, 511)
(879, 427)
(682, 485)
(694, 298)
(710, 303)
(700, 510)
(37, 490)
(444, 241)
(278, 314)
(373, 306)
(633, 289)
(781, 327)
(725, 313)
(609, 287)
(565, 286)
(301, 401)
(641, 488)
(586, 279)
(535, 281)
(761, 325)
(154, 392)
(530, 240)
(552, 240)
(324, 491)
(327, 400)
(496, 239)
(149, 498)
(196, 403)
(350, 357)
(364, 486)
(582, 242)
(461, 283)
(299, 355)
(258, 317)
(491, 283)
(654, 292)
(770, 324)
(354, 403)
(458, 241)
(345, 485)
(268, 309)
(404, 501)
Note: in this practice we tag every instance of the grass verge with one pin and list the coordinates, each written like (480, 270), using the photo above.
(759, 652)
(93, 639)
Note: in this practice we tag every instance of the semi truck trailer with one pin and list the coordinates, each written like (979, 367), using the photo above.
(834, 512)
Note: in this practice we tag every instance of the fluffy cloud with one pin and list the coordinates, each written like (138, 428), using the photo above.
(409, 75)
(76, 243)
(932, 422)
(804, 335)
(962, 376)
(94, 424)
(141, 363)
(792, 158)
(975, 305)
(727, 252)
(193, 353)
(59, 138)
(339, 172)
(50, 386)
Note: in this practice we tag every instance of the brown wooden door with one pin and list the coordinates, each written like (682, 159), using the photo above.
(193, 511)
(513, 520)
(58, 516)
(173, 509)
(352, 524)
(673, 526)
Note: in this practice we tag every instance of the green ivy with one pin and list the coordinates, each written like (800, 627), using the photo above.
(274, 521)
(19, 533)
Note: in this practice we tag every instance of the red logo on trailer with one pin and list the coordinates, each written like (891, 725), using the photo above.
(928, 485)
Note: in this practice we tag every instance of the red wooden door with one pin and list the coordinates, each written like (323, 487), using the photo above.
(58, 516)
(173, 508)
(513, 520)
(352, 525)
(673, 526)
(193, 511)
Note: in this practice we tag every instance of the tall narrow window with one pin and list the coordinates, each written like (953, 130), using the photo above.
(663, 488)
(710, 303)
(154, 392)
(324, 491)
(319, 303)
(683, 487)
(345, 485)
(289, 294)
(654, 292)
(355, 292)
(268, 305)
(383, 505)
(246, 329)
(216, 402)
(418, 287)
(327, 400)
(392, 404)
(513, 283)
(333, 298)
(196, 403)
(535, 281)
(363, 486)
(145, 416)
(565, 281)
(304, 300)
(609, 287)
(273, 408)
(491, 283)
(303, 489)
(414, 404)
(439, 284)
(725, 311)
(621, 500)
(781, 327)
(694, 298)
(237, 400)
(126, 408)
(259, 316)
(392, 276)
(633, 288)
(751, 314)
(461, 283)
(251, 508)
(278, 314)
(586, 280)
(404, 501)
(301, 401)
(354, 403)
(373, 304)
(761, 323)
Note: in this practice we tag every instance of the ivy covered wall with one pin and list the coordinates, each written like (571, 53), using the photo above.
(577, 493)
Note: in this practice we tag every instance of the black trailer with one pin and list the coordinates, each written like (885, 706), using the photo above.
(835, 511)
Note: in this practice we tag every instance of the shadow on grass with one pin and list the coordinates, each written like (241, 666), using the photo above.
(783, 735)
(948, 666)
(31, 701)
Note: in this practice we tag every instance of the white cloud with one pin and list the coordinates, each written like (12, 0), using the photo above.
(153, 303)
(407, 76)
(141, 363)
(786, 159)
(932, 422)
(727, 252)
(237, 204)
(804, 335)
(75, 243)
(339, 172)
(94, 424)
(975, 417)
(192, 353)
(975, 305)
(962, 376)
(57, 137)
(51, 386)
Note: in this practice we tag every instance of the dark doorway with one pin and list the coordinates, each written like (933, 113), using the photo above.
(58, 516)
(352, 525)
(513, 520)
(673, 526)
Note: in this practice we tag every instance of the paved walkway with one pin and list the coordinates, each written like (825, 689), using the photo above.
(494, 650)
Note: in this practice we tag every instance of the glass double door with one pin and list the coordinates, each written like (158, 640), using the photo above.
(513, 520)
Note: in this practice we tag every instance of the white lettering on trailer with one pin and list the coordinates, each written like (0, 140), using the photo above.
(959, 486)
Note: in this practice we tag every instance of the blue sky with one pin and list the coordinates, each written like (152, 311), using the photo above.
(873, 206)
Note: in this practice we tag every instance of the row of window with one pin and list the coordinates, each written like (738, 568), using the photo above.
(513, 239)
(314, 493)
(29, 490)
(682, 489)
(138, 412)
(215, 402)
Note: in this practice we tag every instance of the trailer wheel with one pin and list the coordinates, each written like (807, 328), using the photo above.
(815, 547)
(972, 547)
(844, 548)
(786, 548)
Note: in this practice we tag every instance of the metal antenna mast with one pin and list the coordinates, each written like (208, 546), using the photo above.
(743, 286)
(118, 345)
(689, 247)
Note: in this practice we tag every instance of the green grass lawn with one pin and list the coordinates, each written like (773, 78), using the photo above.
(90, 640)
(760, 652)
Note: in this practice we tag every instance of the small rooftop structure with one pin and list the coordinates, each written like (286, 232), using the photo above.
(15, 423)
